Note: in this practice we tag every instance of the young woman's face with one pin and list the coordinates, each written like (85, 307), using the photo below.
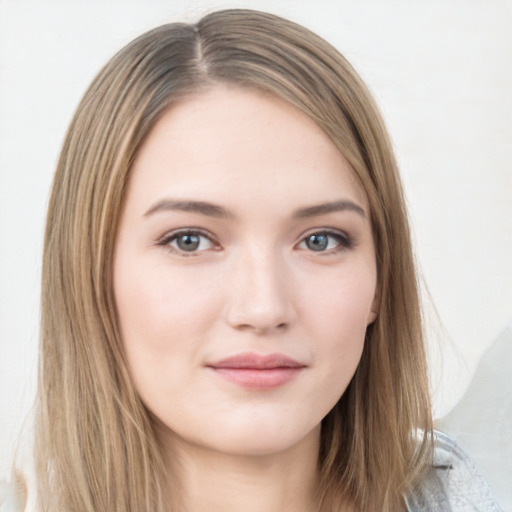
(244, 273)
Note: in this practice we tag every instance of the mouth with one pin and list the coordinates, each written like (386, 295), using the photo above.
(255, 371)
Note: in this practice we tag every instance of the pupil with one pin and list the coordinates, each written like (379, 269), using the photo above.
(188, 242)
(317, 242)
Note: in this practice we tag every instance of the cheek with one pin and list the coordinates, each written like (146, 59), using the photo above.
(341, 303)
(163, 317)
(339, 315)
(155, 299)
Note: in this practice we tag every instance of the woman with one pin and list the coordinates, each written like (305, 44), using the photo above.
(230, 313)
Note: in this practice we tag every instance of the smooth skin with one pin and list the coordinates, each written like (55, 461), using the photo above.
(244, 231)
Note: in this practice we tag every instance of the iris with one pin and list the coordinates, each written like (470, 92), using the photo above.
(317, 242)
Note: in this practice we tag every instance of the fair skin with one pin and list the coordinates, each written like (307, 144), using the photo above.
(245, 278)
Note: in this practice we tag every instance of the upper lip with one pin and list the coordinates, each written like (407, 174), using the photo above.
(257, 362)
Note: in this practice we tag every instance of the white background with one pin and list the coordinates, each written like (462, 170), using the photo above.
(441, 71)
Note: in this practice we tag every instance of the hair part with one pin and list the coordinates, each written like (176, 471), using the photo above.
(96, 445)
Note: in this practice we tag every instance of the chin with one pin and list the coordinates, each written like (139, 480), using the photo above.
(258, 441)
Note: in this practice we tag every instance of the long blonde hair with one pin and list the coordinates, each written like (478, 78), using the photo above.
(96, 447)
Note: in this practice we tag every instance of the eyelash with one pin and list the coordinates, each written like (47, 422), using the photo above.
(344, 241)
(167, 239)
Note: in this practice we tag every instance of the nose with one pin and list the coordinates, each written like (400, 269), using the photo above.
(261, 293)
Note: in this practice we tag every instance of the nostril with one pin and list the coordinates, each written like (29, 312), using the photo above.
(277, 327)
(261, 329)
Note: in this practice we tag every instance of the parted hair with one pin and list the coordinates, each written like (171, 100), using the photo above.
(96, 446)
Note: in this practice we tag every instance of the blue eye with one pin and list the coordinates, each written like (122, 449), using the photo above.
(187, 242)
(323, 241)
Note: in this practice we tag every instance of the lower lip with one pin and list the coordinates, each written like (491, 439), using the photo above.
(253, 378)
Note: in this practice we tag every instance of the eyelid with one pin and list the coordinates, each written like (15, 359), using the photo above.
(345, 241)
(166, 239)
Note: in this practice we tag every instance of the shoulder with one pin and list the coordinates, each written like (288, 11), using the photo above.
(454, 483)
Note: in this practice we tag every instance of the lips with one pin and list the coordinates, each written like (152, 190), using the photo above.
(255, 371)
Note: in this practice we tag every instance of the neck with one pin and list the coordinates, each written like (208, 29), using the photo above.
(213, 481)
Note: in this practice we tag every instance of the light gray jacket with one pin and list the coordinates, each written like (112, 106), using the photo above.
(454, 484)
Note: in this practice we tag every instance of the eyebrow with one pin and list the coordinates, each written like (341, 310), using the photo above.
(201, 207)
(213, 210)
(325, 208)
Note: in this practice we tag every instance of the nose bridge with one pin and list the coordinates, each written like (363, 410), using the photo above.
(260, 298)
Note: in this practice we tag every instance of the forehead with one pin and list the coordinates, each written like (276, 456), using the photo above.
(231, 142)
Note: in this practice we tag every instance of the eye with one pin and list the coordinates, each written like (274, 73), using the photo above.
(187, 242)
(324, 241)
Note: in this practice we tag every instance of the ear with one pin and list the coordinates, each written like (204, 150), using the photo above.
(372, 315)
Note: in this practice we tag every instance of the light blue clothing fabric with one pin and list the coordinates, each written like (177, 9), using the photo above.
(454, 483)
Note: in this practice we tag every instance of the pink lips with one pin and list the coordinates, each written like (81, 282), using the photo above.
(258, 372)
